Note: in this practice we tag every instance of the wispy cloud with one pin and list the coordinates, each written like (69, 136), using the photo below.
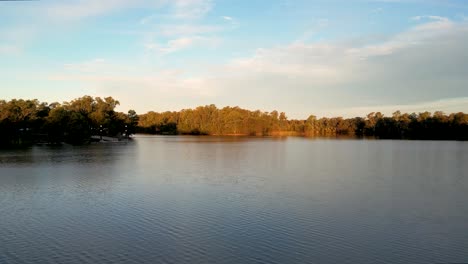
(180, 29)
(437, 18)
(103, 77)
(180, 10)
(174, 25)
(13, 40)
(424, 63)
(315, 28)
(6, 49)
(449, 105)
(181, 43)
(191, 9)
(419, 34)
(77, 9)
(231, 21)
(171, 30)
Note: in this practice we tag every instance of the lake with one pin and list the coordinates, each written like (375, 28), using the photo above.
(236, 200)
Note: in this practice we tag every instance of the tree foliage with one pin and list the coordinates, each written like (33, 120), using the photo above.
(209, 120)
(28, 121)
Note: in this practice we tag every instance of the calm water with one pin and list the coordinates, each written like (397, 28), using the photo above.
(236, 200)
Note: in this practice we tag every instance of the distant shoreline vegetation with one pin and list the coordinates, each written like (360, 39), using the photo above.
(210, 120)
(25, 122)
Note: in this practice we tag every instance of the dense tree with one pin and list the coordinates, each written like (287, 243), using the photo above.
(28, 121)
(209, 120)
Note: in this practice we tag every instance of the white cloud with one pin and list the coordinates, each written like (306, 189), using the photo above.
(19, 33)
(78, 9)
(191, 9)
(181, 10)
(422, 33)
(6, 49)
(296, 60)
(438, 18)
(180, 32)
(88, 66)
(137, 87)
(449, 105)
(423, 64)
(180, 43)
(148, 19)
(174, 31)
(410, 71)
(13, 40)
(231, 21)
(319, 25)
(187, 29)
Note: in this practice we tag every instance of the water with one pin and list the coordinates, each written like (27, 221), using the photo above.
(236, 200)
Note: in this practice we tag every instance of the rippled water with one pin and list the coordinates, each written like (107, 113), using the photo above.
(236, 200)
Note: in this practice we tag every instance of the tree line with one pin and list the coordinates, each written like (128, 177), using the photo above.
(210, 120)
(75, 122)
(23, 122)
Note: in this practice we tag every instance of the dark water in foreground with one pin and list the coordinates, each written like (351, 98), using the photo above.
(236, 200)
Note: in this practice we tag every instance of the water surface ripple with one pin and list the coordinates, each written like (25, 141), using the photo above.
(235, 200)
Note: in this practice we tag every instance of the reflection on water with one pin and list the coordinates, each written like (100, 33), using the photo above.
(235, 200)
(96, 153)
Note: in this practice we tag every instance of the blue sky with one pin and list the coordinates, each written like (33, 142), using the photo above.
(303, 57)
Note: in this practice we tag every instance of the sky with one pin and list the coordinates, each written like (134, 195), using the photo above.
(303, 57)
